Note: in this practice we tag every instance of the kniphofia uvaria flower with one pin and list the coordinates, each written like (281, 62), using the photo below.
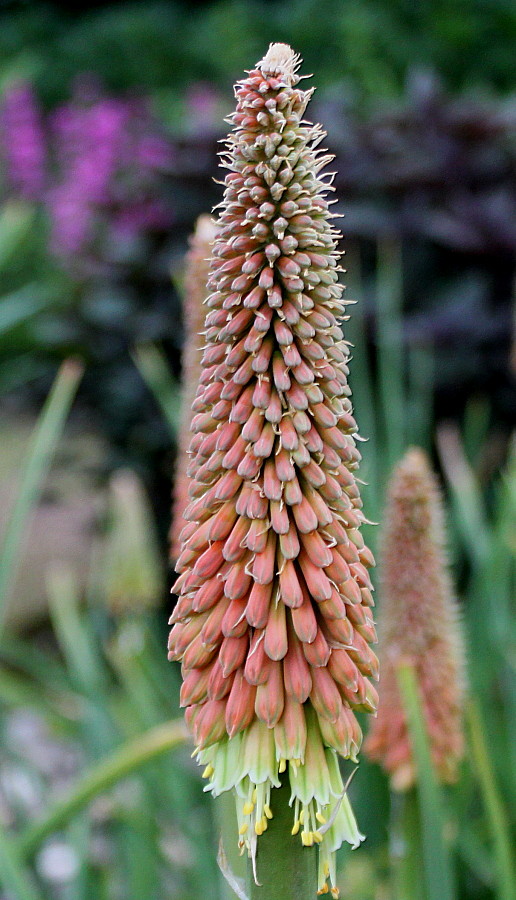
(273, 622)
(196, 276)
(419, 626)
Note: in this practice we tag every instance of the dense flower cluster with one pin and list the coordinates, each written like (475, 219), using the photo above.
(273, 622)
(196, 277)
(418, 625)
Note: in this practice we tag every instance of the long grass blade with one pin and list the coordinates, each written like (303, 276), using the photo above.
(16, 218)
(465, 493)
(122, 762)
(71, 631)
(436, 871)
(20, 305)
(14, 880)
(40, 453)
(498, 825)
(389, 318)
(155, 371)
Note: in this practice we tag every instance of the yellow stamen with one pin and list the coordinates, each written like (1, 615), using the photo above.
(317, 836)
(282, 765)
(326, 870)
(248, 808)
(307, 838)
(254, 795)
(258, 827)
(267, 810)
(320, 818)
(295, 829)
(243, 828)
(302, 816)
(265, 824)
(208, 772)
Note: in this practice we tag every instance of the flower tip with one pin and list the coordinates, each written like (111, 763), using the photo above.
(280, 59)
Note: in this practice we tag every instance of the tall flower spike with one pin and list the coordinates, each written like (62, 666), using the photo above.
(196, 277)
(273, 622)
(418, 625)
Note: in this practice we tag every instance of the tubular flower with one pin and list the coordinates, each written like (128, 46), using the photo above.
(418, 625)
(273, 622)
(196, 276)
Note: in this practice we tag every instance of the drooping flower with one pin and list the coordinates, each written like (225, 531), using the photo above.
(273, 622)
(418, 625)
(196, 277)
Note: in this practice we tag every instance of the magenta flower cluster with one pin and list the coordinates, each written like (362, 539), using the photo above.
(97, 164)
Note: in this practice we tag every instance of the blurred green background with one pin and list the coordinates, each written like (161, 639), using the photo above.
(110, 117)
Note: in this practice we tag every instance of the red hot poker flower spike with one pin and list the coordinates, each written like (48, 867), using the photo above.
(419, 625)
(274, 593)
(196, 276)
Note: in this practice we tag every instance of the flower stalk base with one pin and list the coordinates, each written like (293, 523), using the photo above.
(284, 868)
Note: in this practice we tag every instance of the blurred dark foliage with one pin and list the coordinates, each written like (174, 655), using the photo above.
(119, 173)
(163, 46)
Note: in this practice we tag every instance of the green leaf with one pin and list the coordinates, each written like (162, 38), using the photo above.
(70, 629)
(498, 825)
(45, 438)
(122, 762)
(155, 371)
(20, 305)
(389, 312)
(437, 874)
(15, 220)
(13, 877)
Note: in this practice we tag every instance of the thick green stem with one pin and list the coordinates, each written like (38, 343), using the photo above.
(436, 874)
(495, 810)
(227, 827)
(405, 847)
(285, 869)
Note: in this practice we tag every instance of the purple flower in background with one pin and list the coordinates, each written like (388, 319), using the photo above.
(98, 168)
(23, 142)
(111, 159)
(204, 109)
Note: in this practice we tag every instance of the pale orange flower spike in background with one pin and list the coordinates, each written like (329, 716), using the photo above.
(418, 624)
(196, 276)
(273, 624)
